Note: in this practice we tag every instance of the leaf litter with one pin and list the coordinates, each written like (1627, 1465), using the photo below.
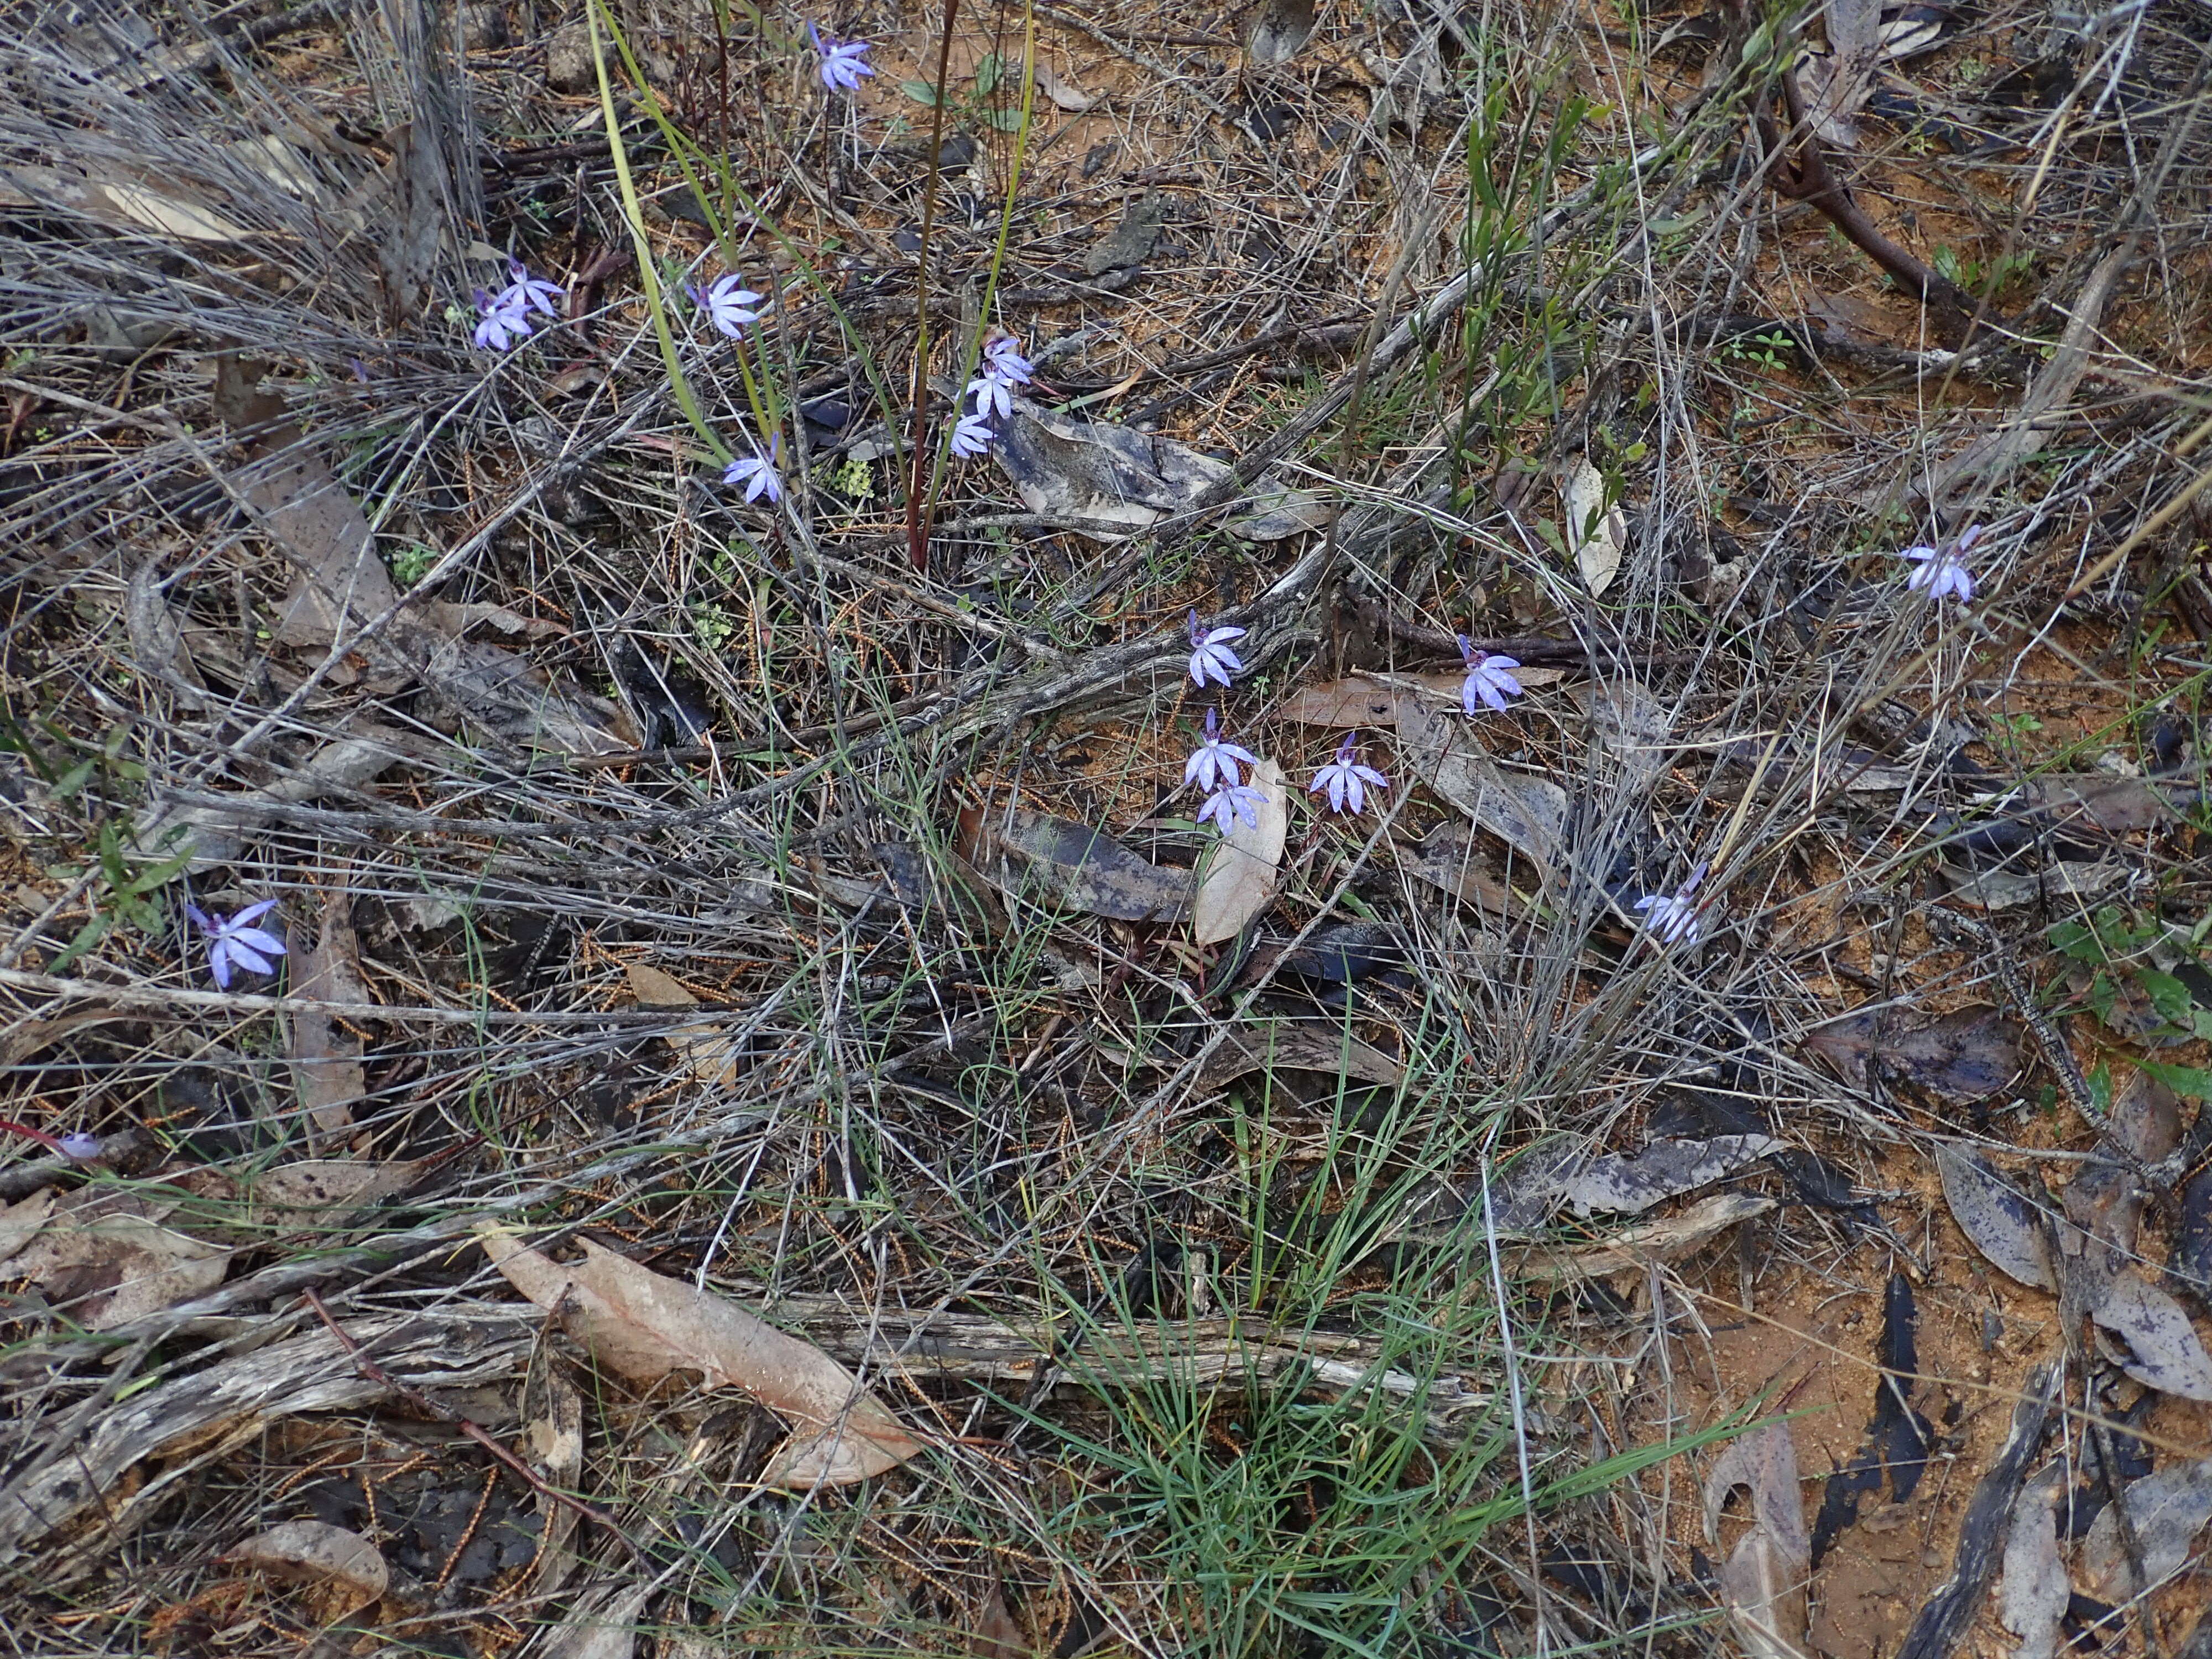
(931, 1103)
(645, 1326)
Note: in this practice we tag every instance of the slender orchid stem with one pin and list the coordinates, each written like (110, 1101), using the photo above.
(917, 527)
(51, 1143)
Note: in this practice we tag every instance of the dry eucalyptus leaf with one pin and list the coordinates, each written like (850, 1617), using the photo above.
(1763, 1581)
(326, 1069)
(1632, 725)
(996, 1634)
(167, 215)
(553, 1438)
(2062, 882)
(644, 1327)
(711, 1056)
(316, 1551)
(1281, 27)
(602, 1625)
(2162, 1349)
(1633, 1183)
(2033, 1595)
(1996, 1217)
(1966, 1055)
(1050, 859)
(2119, 807)
(22, 1040)
(1297, 1046)
(1523, 1194)
(1369, 700)
(324, 1192)
(1072, 99)
(1126, 481)
(1528, 813)
(1596, 533)
(1240, 877)
(1446, 858)
(2168, 1508)
(340, 584)
(20, 1222)
(103, 1260)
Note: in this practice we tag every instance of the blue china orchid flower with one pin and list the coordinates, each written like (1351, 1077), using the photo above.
(991, 394)
(233, 942)
(843, 62)
(972, 435)
(1345, 780)
(1003, 358)
(1672, 918)
(526, 293)
(1945, 574)
(1489, 677)
(1210, 655)
(728, 303)
(1214, 761)
(1231, 802)
(757, 473)
(500, 327)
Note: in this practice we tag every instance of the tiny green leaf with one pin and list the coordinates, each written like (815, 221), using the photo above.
(921, 92)
(87, 937)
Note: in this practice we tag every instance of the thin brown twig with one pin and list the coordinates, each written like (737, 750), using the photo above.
(1805, 174)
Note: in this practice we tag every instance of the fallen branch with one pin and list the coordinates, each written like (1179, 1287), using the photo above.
(1805, 175)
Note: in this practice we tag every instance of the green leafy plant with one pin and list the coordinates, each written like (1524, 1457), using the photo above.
(412, 563)
(2123, 951)
(1770, 351)
(973, 105)
(1972, 275)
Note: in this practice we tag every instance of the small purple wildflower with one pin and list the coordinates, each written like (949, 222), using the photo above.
(235, 942)
(1489, 678)
(1672, 917)
(1231, 802)
(757, 473)
(1215, 761)
(525, 293)
(1945, 574)
(843, 62)
(728, 303)
(1003, 358)
(991, 394)
(972, 435)
(80, 1148)
(501, 327)
(1347, 780)
(1210, 655)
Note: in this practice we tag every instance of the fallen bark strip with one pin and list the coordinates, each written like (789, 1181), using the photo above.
(1946, 1615)
(967, 1347)
(205, 1417)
